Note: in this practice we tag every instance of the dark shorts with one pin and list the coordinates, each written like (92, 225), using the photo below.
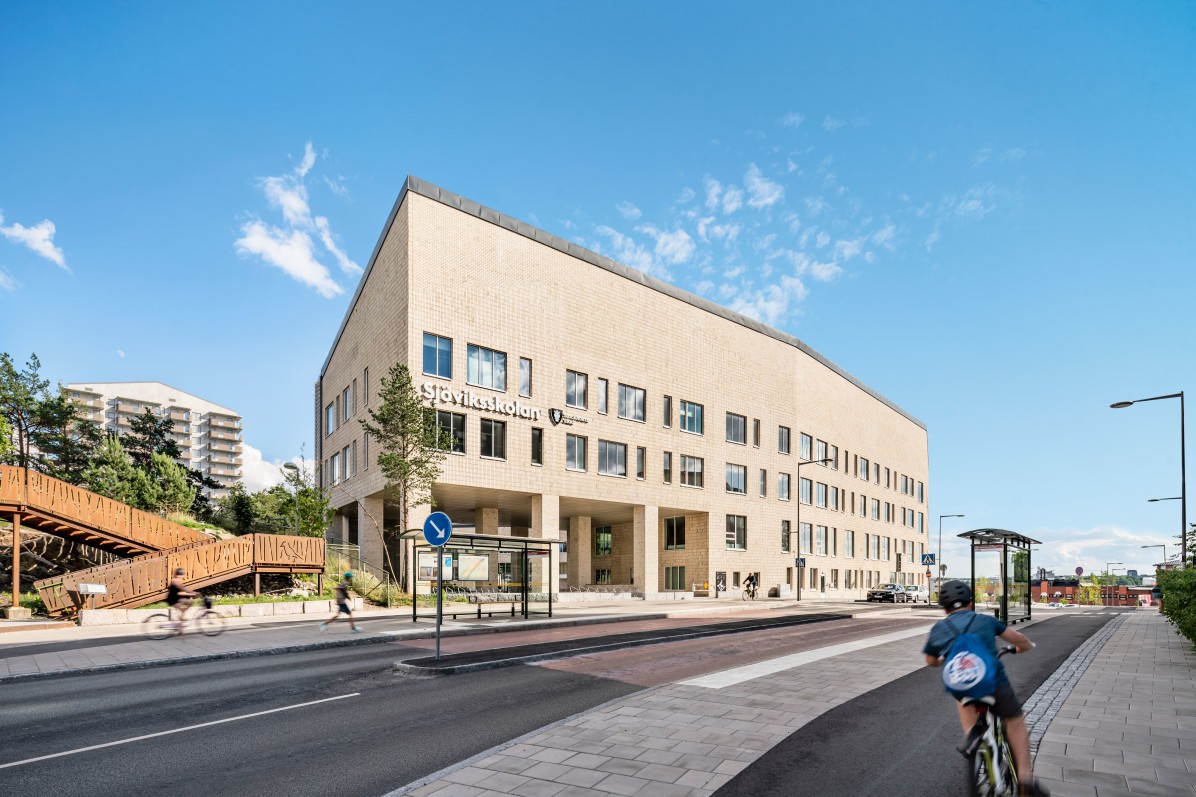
(343, 608)
(1007, 706)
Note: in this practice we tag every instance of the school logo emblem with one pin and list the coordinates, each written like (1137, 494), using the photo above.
(963, 671)
(555, 416)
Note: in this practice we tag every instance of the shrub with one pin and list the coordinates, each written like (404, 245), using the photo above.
(29, 600)
(1179, 600)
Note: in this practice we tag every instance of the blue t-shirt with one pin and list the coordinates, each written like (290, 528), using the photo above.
(985, 627)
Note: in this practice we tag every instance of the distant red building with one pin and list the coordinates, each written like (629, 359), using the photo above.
(1064, 591)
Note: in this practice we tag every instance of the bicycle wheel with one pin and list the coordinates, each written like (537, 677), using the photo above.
(210, 623)
(980, 781)
(158, 626)
(1008, 772)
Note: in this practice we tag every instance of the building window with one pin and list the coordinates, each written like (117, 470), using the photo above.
(784, 536)
(884, 548)
(365, 452)
(451, 431)
(674, 533)
(353, 458)
(575, 390)
(804, 533)
(820, 540)
(667, 466)
(755, 432)
(346, 464)
(641, 456)
(674, 578)
(525, 376)
(354, 396)
(494, 439)
(602, 575)
(691, 418)
(763, 483)
(820, 452)
(736, 428)
(486, 367)
(919, 492)
(612, 458)
(783, 434)
(692, 471)
(329, 419)
(631, 403)
(575, 452)
(736, 533)
(783, 486)
(807, 489)
(438, 356)
(820, 495)
(849, 544)
(888, 479)
(602, 391)
(365, 387)
(668, 411)
(537, 446)
(602, 541)
(345, 405)
(334, 469)
(875, 508)
(806, 443)
(736, 479)
(921, 521)
(863, 469)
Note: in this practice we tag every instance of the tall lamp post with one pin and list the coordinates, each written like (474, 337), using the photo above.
(942, 571)
(1183, 471)
(1164, 547)
(293, 469)
(797, 570)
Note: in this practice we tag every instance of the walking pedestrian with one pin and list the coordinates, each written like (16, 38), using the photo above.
(343, 605)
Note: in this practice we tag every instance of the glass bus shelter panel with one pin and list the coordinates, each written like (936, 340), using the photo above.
(989, 579)
(1018, 586)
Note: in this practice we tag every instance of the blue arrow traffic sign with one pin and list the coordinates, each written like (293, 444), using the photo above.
(801, 561)
(927, 558)
(437, 529)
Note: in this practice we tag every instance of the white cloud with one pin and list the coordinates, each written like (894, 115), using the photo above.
(846, 249)
(337, 187)
(628, 210)
(671, 247)
(763, 191)
(792, 119)
(687, 195)
(714, 190)
(884, 236)
(977, 202)
(39, 238)
(934, 236)
(120, 353)
(291, 247)
(822, 239)
(771, 302)
(832, 125)
(291, 252)
(732, 199)
(256, 473)
(824, 272)
(982, 155)
(1013, 154)
(628, 251)
(7, 283)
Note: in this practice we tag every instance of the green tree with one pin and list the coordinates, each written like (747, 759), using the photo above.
(314, 509)
(150, 435)
(236, 510)
(64, 440)
(175, 491)
(6, 446)
(20, 393)
(409, 453)
(111, 473)
(1179, 600)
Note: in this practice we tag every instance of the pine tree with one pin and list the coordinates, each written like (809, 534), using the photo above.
(176, 493)
(111, 473)
(20, 393)
(150, 435)
(63, 439)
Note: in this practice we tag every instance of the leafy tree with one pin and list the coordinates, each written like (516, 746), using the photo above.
(201, 507)
(20, 393)
(63, 439)
(237, 511)
(1179, 600)
(111, 473)
(409, 455)
(6, 447)
(314, 509)
(175, 491)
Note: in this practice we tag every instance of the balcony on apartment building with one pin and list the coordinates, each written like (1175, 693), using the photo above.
(223, 422)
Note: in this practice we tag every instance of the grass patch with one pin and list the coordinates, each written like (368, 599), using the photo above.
(29, 600)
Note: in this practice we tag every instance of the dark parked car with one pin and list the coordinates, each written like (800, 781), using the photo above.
(888, 592)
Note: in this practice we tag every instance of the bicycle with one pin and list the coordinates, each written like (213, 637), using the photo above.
(750, 592)
(990, 769)
(206, 621)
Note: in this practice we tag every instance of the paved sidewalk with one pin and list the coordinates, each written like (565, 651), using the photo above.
(1129, 725)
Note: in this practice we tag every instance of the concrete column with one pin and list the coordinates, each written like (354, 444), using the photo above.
(16, 560)
(340, 526)
(416, 516)
(370, 529)
(546, 525)
(581, 548)
(646, 549)
(486, 521)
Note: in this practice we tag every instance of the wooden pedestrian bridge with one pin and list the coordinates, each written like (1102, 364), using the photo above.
(152, 547)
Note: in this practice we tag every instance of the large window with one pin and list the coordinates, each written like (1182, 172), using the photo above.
(783, 486)
(329, 419)
(763, 483)
(875, 506)
(736, 533)
(674, 578)
(668, 411)
(525, 376)
(575, 452)
(736, 428)
(494, 438)
(784, 536)
(849, 544)
(345, 404)
(820, 495)
(862, 471)
(806, 443)
(438, 356)
(736, 479)
(783, 439)
(537, 446)
(666, 461)
(602, 575)
(805, 534)
(575, 389)
(674, 533)
(820, 540)
(612, 458)
(450, 431)
(806, 488)
(486, 367)
(602, 391)
(692, 471)
(641, 462)
(691, 418)
(834, 499)
(602, 541)
(631, 402)
(334, 469)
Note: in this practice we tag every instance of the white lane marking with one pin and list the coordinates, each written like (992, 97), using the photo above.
(176, 730)
(738, 675)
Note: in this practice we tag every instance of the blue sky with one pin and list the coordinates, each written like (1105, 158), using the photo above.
(983, 211)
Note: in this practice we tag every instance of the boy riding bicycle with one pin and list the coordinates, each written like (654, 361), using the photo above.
(956, 599)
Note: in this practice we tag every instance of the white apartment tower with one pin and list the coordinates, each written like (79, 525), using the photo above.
(208, 435)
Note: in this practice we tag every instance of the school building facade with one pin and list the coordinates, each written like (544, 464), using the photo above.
(666, 441)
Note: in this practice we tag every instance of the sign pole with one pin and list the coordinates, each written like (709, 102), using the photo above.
(438, 528)
(439, 596)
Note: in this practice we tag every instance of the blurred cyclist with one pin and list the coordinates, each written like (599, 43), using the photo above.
(178, 597)
(956, 599)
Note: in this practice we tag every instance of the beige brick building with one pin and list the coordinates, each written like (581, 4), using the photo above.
(667, 440)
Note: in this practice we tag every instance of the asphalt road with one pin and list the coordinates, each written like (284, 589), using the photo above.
(900, 738)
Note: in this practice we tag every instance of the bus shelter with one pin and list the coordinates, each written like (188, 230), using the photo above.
(1001, 573)
(488, 570)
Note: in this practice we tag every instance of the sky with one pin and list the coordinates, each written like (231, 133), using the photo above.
(983, 211)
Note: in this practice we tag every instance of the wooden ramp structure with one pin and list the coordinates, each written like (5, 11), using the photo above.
(155, 547)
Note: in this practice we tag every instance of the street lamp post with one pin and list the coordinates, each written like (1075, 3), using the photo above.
(1164, 547)
(1102, 586)
(1183, 469)
(942, 567)
(294, 470)
(797, 570)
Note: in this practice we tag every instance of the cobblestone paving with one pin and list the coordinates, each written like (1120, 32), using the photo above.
(1128, 726)
(671, 741)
